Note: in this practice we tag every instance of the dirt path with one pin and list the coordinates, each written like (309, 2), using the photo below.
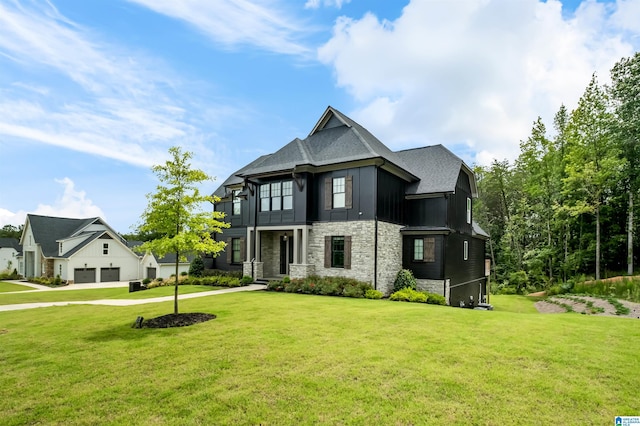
(547, 307)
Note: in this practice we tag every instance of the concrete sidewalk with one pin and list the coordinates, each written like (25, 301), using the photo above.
(128, 302)
(38, 287)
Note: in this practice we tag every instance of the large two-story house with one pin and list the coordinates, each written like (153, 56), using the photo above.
(340, 203)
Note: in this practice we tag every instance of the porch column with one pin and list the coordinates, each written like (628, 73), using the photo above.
(257, 237)
(248, 245)
(305, 244)
(296, 246)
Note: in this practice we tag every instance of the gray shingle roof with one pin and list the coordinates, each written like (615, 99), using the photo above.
(327, 146)
(48, 230)
(337, 139)
(436, 166)
(10, 243)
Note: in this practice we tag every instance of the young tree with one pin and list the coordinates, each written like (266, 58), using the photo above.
(174, 213)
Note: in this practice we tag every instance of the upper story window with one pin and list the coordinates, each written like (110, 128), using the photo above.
(236, 203)
(465, 250)
(287, 195)
(276, 196)
(468, 210)
(105, 248)
(60, 249)
(338, 192)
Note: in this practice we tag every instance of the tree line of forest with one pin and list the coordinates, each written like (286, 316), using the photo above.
(564, 209)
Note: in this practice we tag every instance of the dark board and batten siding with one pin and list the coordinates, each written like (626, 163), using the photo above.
(460, 271)
(390, 197)
(362, 196)
(427, 212)
(457, 205)
(421, 269)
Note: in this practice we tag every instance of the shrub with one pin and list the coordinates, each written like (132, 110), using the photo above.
(275, 286)
(197, 267)
(286, 279)
(159, 279)
(184, 273)
(404, 279)
(246, 279)
(146, 281)
(409, 295)
(221, 273)
(351, 290)
(519, 279)
(373, 294)
(436, 299)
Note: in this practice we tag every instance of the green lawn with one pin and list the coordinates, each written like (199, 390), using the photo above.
(97, 294)
(275, 358)
(514, 303)
(5, 286)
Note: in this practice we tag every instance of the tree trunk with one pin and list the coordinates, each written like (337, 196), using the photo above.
(175, 294)
(630, 236)
(597, 242)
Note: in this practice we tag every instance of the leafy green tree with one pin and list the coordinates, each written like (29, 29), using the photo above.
(10, 231)
(593, 164)
(625, 94)
(174, 212)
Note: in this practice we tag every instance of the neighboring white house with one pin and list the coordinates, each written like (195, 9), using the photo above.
(77, 250)
(164, 267)
(9, 251)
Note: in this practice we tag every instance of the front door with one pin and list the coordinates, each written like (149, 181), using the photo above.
(286, 254)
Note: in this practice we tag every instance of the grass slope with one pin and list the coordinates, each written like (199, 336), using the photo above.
(273, 358)
(97, 294)
(5, 286)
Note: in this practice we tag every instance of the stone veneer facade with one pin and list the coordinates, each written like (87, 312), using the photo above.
(362, 251)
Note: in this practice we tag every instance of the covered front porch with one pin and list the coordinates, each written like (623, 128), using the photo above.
(278, 251)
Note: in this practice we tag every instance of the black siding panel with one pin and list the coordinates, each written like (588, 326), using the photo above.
(390, 200)
(363, 198)
(423, 270)
(457, 209)
(220, 262)
(427, 212)
(459, 271)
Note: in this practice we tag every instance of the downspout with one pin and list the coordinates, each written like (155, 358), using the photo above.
(375, 236)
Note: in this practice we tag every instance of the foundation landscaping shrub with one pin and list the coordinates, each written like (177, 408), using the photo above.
(410, 295)
(326, 286)
(404, 279)
(212, 280)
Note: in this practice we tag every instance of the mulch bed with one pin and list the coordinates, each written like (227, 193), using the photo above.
(177, 320)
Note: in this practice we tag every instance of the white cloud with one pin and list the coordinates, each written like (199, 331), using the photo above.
(472, 72)
(72, 203)
(261, 23)
(100, 98)
(315, 4)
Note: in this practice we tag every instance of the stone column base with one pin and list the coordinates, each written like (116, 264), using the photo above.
(258, 270)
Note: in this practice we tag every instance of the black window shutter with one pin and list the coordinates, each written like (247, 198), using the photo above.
(347, 252)
(328, 193)
(348, 192)
(229, 250)
(327, 252)
(243, 249)
(429, 250)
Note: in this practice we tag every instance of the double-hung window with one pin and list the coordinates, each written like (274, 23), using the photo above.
(337, 252)
(287, 195)
(265, 198)
(236, 255)
(105, 248)
(236, 203)
(276, 196)
(465, 250)
(338, 192)
(468, 210)
(418, 249)
(424, 249)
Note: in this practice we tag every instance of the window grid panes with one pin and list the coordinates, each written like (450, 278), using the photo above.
(264, 197)
(105, 248)
(236, 203)
(287, 195)
(468, 210)
(338, 192)
(337, 252)
(418, 249)
(276, 200)
(235, 247)
(466, 250)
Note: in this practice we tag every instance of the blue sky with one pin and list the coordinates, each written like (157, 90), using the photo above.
(92, 93)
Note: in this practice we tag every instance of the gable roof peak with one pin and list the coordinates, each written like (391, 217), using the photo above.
(328, 114)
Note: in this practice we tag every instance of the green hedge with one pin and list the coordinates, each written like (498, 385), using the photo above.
(410, 295)
(216, 280)
(326, 286)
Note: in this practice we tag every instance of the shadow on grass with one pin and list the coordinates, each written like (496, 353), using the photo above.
(129, 331)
